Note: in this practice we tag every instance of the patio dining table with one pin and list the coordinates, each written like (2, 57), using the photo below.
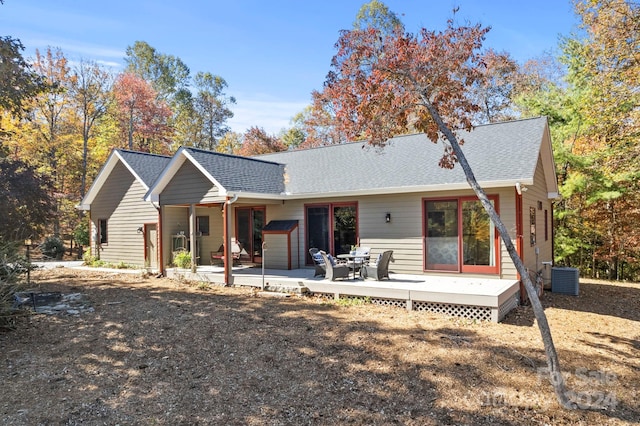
(353, 257)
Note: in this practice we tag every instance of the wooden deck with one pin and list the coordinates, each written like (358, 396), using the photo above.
(477, 298)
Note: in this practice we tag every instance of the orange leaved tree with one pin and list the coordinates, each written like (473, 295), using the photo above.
(381, 84)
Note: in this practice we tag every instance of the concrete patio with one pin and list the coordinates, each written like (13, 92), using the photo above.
(479, 298)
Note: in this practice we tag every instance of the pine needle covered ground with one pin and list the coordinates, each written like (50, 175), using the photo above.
(157, 351)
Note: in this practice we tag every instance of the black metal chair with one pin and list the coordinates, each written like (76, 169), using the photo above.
(381, 269)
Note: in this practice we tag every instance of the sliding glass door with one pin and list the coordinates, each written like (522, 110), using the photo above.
(249, 224)
(442, 235)
(478, 246)
(331, 227)
(460, 236)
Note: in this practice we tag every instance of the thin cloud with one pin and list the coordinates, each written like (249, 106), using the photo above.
(271, 114)
(93, 51)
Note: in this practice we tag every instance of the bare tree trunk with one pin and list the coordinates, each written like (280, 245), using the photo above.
(552, 356)
(85, 152)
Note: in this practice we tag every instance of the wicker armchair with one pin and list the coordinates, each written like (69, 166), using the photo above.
(381, 269)
(333, 271)
(318, 262)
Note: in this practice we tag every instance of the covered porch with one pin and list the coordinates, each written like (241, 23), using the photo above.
(477, 298)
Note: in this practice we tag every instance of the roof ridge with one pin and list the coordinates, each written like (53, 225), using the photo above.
(404, 135)
(129, 151)
(517, 120)
(223, 154)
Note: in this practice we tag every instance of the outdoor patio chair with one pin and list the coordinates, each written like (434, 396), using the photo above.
(333, 269)
(217, 257)
(318, 262)
(381, 269)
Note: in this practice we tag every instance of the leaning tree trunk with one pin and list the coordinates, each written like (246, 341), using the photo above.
(552, 356)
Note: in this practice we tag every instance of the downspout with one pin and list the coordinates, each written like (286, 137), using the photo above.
(228, 260)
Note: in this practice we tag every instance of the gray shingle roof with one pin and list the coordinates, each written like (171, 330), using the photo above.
(244, 174)
(496, 152)
(147, 166)
(280, 225)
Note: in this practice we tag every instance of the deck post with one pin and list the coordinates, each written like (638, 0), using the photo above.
(409, 304)
(495, 314)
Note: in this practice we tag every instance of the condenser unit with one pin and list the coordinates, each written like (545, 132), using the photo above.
(565, 280)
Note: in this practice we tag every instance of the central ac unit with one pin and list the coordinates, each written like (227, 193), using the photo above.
(565, 280)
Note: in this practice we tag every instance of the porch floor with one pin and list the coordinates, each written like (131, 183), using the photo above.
(478, 298)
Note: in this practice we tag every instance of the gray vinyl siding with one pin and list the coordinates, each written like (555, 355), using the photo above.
(404, 234)
(275, 257)
(188, 186)
(507, 212)
(533, 195)
(174, 220)
(215, 238)
(120, 201)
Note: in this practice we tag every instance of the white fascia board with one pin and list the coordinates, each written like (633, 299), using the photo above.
(407, 189)
(204, 171)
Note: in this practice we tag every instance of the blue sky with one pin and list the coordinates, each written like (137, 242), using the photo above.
(271, 53)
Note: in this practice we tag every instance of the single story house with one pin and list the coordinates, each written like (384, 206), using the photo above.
(144, 208)
(123, 226)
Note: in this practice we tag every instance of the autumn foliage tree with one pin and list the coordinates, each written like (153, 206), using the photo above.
(256, 141)
(45, 138)
(27, 205)
(211, 110)
(18, 81)
(379, 85)
(91, 90)
(602, 182)
(592, 105)
(141, 115)
(493, 93)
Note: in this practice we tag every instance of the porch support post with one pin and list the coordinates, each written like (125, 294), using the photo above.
(160, 243)
(192, 236)
(228, 261)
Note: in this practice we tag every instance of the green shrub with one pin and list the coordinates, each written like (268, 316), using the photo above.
(52, 247)
(87, 258)
(13, 268)
(81, 233)
(203, 286)
(353, 301)
(183, 260)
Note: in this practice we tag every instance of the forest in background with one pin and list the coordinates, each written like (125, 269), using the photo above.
(60, 120)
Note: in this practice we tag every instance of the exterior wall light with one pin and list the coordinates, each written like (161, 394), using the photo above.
(387, 217)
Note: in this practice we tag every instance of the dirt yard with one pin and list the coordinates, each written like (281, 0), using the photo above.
(161, 352)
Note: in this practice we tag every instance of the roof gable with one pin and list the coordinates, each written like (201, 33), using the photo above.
(229, 173)
(144, 167)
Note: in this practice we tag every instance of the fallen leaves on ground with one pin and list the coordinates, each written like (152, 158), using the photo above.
(157, 351)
